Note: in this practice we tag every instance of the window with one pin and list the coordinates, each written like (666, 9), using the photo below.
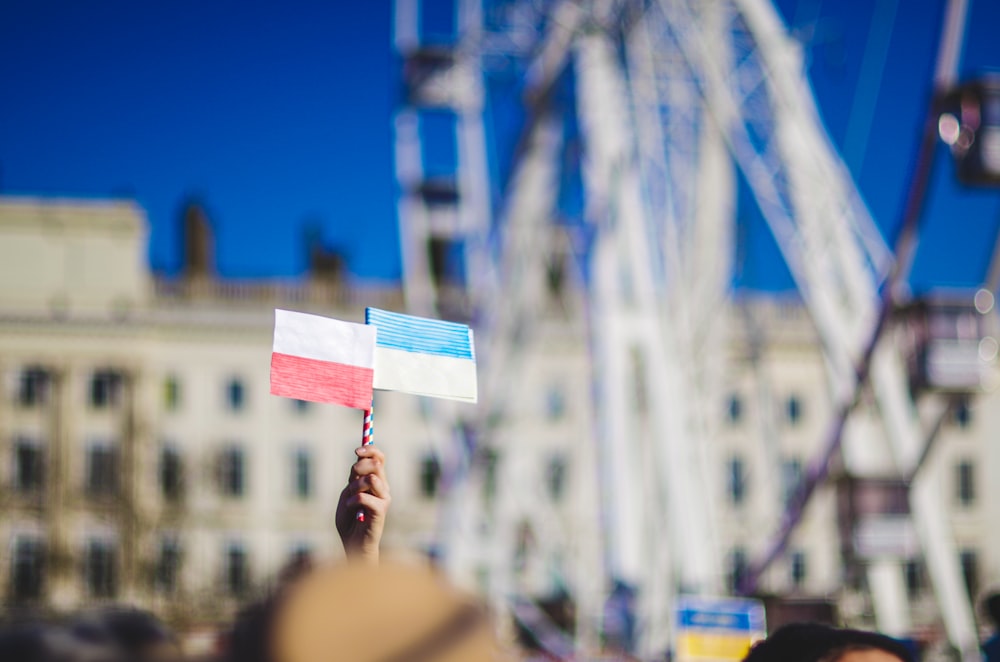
(102, 470)
(489, 460)
(168, 563)
(33, 387)
(970, 571)
(556, 478)
(106, 389)
(736, 480)
(734, 410)
(237, 579)
(962, 414)
(27, 570)
(791, 476)
(430, 475)
(555, 403)
(171, 393)
(913, 571)
(302, 473)
(299, 560)
(234, 394)
(171, 474)
(965, 482)
(231, 472)
(100, 569)
(798, 569)
(737, 568)
(793, 410)
(29, 466)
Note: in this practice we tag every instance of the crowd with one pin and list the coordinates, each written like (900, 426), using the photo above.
(366, 609)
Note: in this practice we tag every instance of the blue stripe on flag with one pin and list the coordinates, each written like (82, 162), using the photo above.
(715, 620)
(419, 334)
(732, 614)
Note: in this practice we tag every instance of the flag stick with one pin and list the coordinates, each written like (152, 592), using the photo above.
(367, 439)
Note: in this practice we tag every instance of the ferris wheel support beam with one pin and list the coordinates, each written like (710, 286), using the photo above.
(898, 414)
(833, 278)
(448, 80)
(627, 293)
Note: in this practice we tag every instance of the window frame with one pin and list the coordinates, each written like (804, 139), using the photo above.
(798, 569)
(965, 482)
(232, 477)
(430, 475)
(106, 389)
(303, 465)
(104, 456)
(37, 570)
(738, 565)
(236, 394)
(792, 473)
(172, 491)
(34, 387)
(169, 563)
(556, 476)
(736, 480)
(734, 409)
(36, 483)
(794, 410)
(236, 577)
(172, 393)
(101, 581)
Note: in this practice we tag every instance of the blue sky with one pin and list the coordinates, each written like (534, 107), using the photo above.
(279, 116)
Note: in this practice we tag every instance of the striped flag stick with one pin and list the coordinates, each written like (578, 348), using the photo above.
(367, 439)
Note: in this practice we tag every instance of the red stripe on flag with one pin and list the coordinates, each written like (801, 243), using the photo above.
(321, 381)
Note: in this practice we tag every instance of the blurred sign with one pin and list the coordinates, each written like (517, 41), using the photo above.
(716, 628)
(885, 536)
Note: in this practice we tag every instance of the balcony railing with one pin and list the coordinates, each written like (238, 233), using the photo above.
(239, 292)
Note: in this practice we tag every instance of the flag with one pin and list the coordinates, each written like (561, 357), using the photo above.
(423, 356)
(322, 360)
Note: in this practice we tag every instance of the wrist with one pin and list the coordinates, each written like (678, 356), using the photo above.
(361, 554)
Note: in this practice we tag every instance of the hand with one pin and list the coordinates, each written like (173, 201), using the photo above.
(366, 488)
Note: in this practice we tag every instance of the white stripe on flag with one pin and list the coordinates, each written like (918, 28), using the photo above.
(425, 374)
(324, 339)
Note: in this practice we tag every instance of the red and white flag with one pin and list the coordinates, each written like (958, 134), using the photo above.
(322, 359)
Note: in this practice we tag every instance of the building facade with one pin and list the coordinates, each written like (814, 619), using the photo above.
(142, 458)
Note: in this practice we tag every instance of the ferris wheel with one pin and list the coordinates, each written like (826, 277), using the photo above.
(663, 101)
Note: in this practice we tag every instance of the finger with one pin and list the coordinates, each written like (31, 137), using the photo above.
(378, 487)
(371, 503)
(369, 460)
(371, 484)
(370, 451)
(367, 466)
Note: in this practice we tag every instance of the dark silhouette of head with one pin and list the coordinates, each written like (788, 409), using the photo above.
(40, 642)
(810, 642)
(137, 634)
(992, 606)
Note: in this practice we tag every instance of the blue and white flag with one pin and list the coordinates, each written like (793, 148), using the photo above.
(423, 356)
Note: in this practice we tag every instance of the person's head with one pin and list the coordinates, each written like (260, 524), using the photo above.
(810, 642)
(992, 606)
(393, 611)
(41, 642)
(139, 635)
(24, 643)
